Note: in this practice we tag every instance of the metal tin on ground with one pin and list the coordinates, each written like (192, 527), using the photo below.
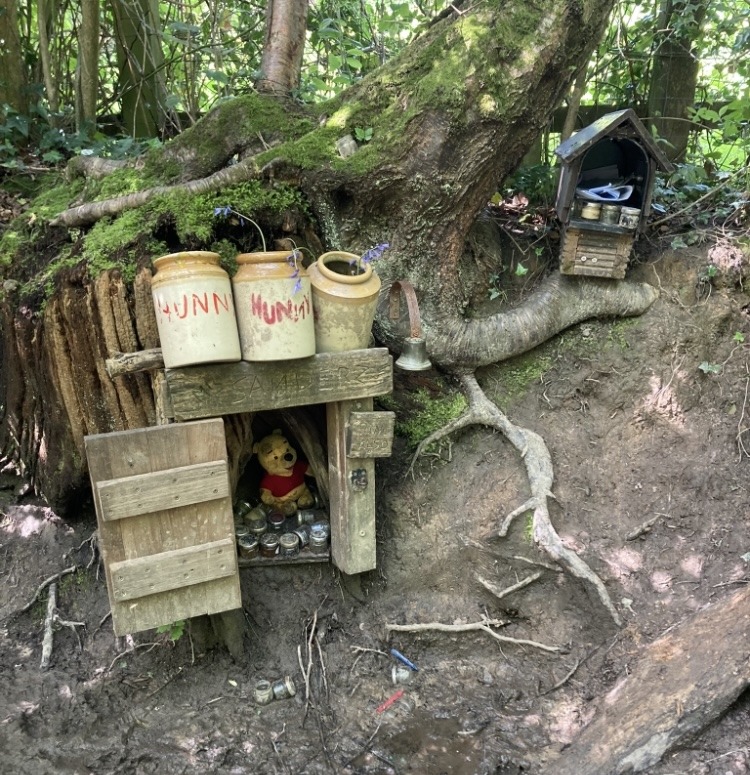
(401, 674)
(284, 688)
(269, 545)
(288, 545)
(249, 546)
(263, 692)
(306, 516)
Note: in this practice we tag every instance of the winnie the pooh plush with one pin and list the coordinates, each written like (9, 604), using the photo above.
(283, 485)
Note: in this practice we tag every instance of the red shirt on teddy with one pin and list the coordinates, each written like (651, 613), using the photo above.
(279, 486)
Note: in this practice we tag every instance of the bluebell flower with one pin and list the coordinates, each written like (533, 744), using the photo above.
(373, 254)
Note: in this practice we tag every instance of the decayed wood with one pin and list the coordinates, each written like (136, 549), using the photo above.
(172, 570)
(133, 495)
(130, 363)
(370, 434)
(352, 482)
(683, 682)
(48, 631)
(220, 389)
(306, 434)
(144, 451)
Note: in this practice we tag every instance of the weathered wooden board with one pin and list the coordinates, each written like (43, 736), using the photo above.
(370, 434)
(683, 682)
(134, 495)
(219, 389)
(352, 483)
(595, 253)
(148, 451)
(170, 570)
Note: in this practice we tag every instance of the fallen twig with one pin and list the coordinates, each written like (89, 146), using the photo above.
(48, 622)
(501, 593)
(44, 585)
(643, 528)
(484, 626)
(565, 680)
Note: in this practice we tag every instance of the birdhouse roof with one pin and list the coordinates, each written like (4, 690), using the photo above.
(621, 122)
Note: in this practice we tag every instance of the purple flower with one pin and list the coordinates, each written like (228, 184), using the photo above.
(373, 254)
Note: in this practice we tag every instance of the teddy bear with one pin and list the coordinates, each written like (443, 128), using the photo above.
(283, 486)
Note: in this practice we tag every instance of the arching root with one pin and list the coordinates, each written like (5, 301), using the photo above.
(540, 473)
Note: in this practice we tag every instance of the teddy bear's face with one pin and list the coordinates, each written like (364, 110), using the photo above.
(276, 454)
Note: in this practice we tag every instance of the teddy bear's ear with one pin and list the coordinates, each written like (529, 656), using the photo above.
(256, 448)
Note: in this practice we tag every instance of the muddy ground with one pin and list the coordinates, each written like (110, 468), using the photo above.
(644, 419)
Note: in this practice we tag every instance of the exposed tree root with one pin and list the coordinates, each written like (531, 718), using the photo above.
(485, 625)
(540, 473)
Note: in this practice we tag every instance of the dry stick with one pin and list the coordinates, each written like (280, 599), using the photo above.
(48, 621)
(565, 680)
(46, 583)
(643, 528)
(473, 626)
(501, 593)
(740, 444)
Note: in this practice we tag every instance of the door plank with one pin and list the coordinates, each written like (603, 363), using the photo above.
(160, 490)
(172, 570)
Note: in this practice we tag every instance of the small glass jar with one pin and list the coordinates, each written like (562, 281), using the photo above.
(269, 545)
(276, 520)
(288, 545)
(240, 531)
(263, 692)
(318, 543)
(303, 533)
(249, 546)
(284, 688)
(591, 211)
(321, 528)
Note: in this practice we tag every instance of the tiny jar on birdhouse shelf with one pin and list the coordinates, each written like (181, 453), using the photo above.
(194, 309)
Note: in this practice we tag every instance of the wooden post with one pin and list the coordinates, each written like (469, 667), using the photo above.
(352, 483)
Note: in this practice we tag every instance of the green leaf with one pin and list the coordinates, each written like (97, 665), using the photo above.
(710, 368)
(521, 270)
(738, 337)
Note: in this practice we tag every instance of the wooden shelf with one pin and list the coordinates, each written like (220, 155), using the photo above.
(305, 557)
(229, 388)
(604, 228)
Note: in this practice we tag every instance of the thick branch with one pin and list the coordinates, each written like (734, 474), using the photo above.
(559, 303)
(94, 211)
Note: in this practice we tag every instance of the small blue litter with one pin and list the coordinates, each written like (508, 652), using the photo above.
(401, 658)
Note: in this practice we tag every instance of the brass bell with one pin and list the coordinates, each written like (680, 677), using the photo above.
(414, 355)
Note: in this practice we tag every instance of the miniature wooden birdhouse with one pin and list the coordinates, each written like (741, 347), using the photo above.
(604, 193)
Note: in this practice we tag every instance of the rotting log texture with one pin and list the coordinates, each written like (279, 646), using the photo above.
(684, 681)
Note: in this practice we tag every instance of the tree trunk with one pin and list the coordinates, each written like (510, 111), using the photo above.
(141, 60)
(45, 16)
(88, 66)
(12, 67)
(283, 47)
(451, 116)
(675, 73)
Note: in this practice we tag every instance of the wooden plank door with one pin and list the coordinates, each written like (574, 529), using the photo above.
(166, 530)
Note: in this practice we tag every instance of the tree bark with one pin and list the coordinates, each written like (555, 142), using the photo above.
(140, 59)
(284, 46)
(13, 80)
(683, 682)
(88, 65)
(675, 73)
